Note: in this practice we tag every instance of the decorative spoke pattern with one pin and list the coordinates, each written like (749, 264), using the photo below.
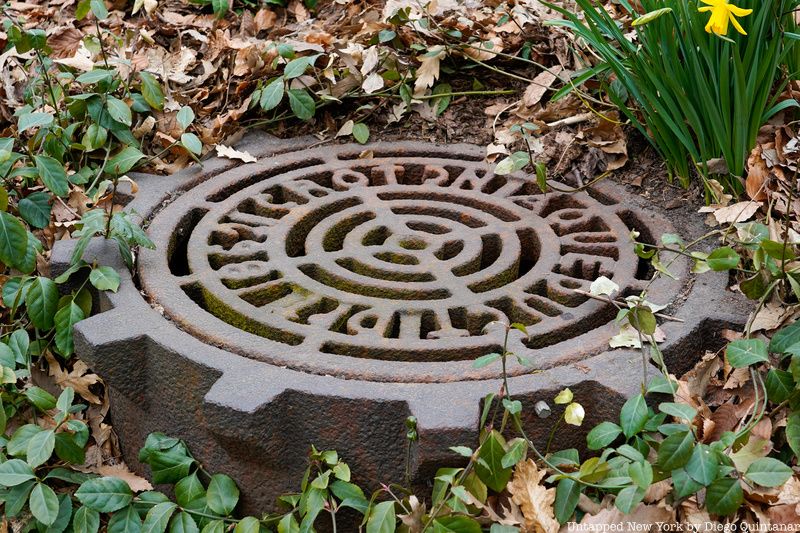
(400, 257)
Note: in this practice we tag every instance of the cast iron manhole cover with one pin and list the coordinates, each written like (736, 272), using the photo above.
(321, 296)
(375, 268)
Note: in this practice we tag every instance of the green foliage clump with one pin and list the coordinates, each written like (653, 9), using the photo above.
(695, 95)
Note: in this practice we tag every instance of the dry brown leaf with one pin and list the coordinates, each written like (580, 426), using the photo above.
(428, 71)
(413, 520)
(642, 516)
(539, 86)
(136, 483)
(790, 492)
(692, 386)
(65, 42)
(724, 419)
(657, 491)
(487, 50)
(78, 379)
(788, 515)
(738, 212)
(756, 448)
(230, 153)
(757, 175)
(535, 501)
(737, 378)
(769, 317)
(264, 19)
(299, 11)
(609, 137)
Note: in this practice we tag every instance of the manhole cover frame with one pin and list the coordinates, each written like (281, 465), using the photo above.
(163, 378)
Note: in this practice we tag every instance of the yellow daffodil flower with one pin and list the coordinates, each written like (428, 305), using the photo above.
(723, 13)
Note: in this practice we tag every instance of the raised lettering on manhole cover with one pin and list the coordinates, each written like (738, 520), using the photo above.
(323, 295)
(402, 257)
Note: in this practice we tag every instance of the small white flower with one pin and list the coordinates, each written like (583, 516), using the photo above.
(603, 286)
(565, 396)
(574, 414)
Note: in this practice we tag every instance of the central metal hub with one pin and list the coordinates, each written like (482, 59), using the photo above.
(401, 257)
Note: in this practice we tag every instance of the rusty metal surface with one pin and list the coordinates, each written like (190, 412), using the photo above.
(321, 297)
(388, 268)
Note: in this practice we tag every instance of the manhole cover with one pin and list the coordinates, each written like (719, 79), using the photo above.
(375, 268)
(323, 295)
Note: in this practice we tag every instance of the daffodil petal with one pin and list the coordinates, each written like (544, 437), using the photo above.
(738, 11)
(737, 25)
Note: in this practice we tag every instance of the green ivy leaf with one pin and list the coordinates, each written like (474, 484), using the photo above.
(35, 209)
(746, 352)
(158, 517)
(104, 278)
(13, 239)
(42, 301)
(628, 498)
(125, 520)
(40, 448)
(34, 120)
(515, 454)
(301, 103)
(183, 523)
(151, 90)
(779, 384)
(124, 160)
(684, 485)
(785, 338)
(768, 472)
(633, 415)
(104, 494)
(485, 360)
(568, 493)
(39, 397)
(361, 133)
(513, 163)
(191, 142)
(676, 450)
(220, 7)
(248, 524)
(777, 250)
(44, 504)
(185, 117)
(189, 489)
(288, 524)
(382, 518)
(490, 468)
(119, 110)
(65, 321)
(722, 259)
(218, 526)
(85, 520)
(223, 494)
(52, 174)
(703, 465)
(95, 76)
(297, 67)
(99, 9)
(15, 472)
(678, 410)
(724, 496)
(272, 94)
(602, 435)
(18, 444)
(64, 514)
(455, 524)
